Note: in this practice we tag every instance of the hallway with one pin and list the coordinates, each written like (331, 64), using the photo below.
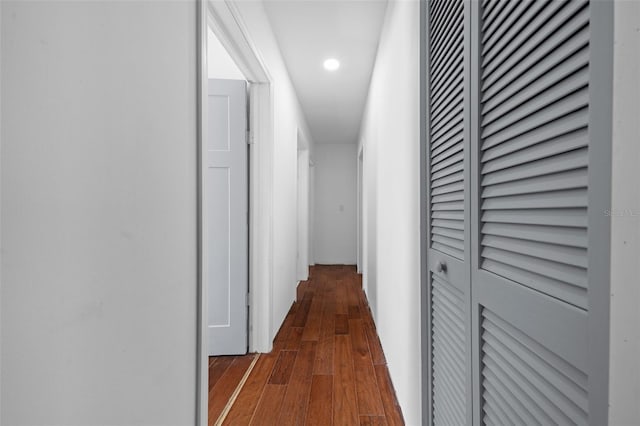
(327, 365)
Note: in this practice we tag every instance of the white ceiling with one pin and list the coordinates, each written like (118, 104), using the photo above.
(310, 31)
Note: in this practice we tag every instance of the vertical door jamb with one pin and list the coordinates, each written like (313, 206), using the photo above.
(425, 282)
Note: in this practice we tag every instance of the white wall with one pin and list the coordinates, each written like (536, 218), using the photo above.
(98, 175)
(335, 204)
(288, 119)
(390, 134)
(219, 62)
(624, 383)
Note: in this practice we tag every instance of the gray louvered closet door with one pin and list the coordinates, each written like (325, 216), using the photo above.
(518, 162)
(448, 212)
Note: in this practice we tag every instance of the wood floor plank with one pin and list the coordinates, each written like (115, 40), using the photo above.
(293, 340)
(369, 401)
(320, 411)
(345, 405)
(373, 421)
(280, 340)
(283, 367)
(353, 292)
(314, 320)
(303, 311)
(342, 324)
(324, 354)
(377, 355)
(392, 410)
(342, 306)
(270, 403)
(224, 388)
(247, 401)
(218, 368)
(294, 406)
(301, 290)
(354, 312)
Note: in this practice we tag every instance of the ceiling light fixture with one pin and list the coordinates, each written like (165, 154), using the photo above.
(331, 64)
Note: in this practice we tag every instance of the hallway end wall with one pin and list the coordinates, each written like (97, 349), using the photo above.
(391, 140)
(288, 119)
(335, 204)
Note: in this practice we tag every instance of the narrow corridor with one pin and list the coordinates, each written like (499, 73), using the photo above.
(327, 365)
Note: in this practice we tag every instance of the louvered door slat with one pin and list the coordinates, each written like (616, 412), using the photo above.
(451, 38)
(527, 100)
(442, 25)
(496, 21)
(445, 58)
(498, 7)
(568, 146)
(541, 36)
(571, 237)
(528, 71)
(448, 353)
(572, 125)
(442, 80)
(577, 101)
(514, 168)
(516, 24)
(568, 218)
(535, 151)
(552, 388)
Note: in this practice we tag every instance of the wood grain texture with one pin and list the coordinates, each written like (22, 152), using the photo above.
(294, 405)
(373, 421)
(345, 402)
(320, 411)
(283, 368)
(391, 408)
(270, 403)
(342, 324)
(247, 401)
(327, 366)
(224, 387)
(369, 402)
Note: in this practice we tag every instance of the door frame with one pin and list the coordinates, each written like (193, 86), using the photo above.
(224, 19)
(302, 208)
(359, 214)
(425, 321)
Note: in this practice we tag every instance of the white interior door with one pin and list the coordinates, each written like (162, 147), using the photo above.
(225, 217)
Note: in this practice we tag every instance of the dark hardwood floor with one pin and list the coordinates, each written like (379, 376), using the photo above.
(326, 368)
(225, 374)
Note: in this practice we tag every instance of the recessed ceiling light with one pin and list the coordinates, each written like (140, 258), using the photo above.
(331, 64)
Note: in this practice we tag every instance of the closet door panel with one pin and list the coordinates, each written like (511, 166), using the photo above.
(447, 182)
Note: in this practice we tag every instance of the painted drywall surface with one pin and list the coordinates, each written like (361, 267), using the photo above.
(98, 213)
(287, 121)
(335, 215)
(390, 132)
(624, 383)
(219, 63)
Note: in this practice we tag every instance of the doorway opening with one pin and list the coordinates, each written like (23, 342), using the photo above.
(303, 209)
(220, 19)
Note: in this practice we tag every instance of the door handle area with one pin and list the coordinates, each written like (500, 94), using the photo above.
(441, 266)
